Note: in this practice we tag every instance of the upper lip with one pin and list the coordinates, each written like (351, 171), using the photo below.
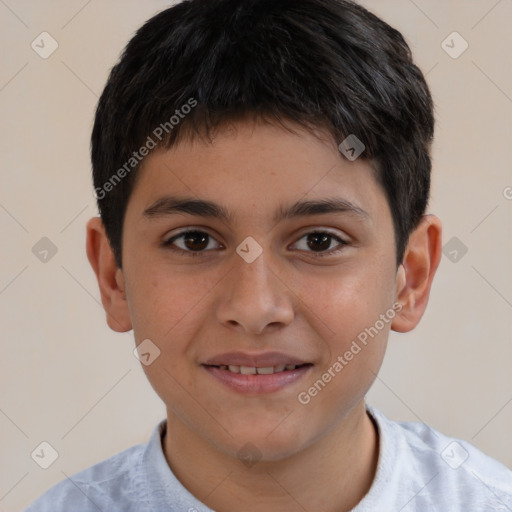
(260, 360)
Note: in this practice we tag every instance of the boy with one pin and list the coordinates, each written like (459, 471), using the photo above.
(262, 170)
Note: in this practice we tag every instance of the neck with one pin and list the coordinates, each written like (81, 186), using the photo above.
(332, 474)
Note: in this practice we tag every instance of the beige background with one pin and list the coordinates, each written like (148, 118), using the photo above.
(68, 380)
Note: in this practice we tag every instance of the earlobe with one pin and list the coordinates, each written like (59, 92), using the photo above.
(416, 273)
(109, 276)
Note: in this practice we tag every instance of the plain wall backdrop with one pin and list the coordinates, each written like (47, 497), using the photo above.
(68, 380)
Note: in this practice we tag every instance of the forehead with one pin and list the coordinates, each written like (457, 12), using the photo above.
(258, 169)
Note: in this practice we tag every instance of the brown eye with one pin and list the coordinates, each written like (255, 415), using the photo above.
(320, 242)
(191, 242)
(196, 240)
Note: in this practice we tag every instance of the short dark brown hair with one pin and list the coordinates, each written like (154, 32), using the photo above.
(318, 63)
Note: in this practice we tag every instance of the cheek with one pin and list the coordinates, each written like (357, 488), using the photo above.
(162, 301)
(166, 308)
(356, 352)
(347, 302)
(355, 311)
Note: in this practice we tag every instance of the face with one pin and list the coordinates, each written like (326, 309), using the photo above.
(253, 297)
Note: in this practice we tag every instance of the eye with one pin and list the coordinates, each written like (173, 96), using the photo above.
(191, 242)
(194, 242)
(319, 242)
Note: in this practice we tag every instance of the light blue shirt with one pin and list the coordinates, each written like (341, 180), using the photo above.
(419, 469)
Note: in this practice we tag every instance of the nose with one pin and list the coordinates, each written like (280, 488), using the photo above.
(253, 298)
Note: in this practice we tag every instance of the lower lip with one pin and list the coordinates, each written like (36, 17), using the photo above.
(257, 384)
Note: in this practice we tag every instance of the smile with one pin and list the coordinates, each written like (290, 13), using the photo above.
(253, 370)
(257, 380)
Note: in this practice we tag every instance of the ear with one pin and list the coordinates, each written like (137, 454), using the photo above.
(416, 272)
(109, 276)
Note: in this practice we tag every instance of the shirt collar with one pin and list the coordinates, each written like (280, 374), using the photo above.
(163, 488)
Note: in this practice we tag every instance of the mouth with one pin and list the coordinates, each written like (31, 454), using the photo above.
(256, 374)
(254, 370)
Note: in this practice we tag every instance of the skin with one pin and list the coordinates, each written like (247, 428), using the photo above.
(318, 456)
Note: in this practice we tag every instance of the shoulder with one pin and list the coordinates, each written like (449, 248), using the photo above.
(450, 472)
(118, 478)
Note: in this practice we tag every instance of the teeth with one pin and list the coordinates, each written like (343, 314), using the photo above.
(265, 371)
(251, 370)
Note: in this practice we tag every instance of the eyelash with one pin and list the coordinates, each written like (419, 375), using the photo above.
(168, 244)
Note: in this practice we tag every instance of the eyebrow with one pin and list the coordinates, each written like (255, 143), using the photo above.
(170, 205)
